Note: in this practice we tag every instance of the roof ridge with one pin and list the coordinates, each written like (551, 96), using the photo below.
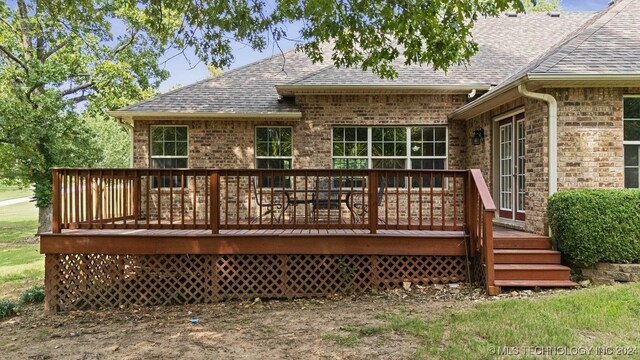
(588, 29)
(312, 74)
(540, 59)
(223, 75)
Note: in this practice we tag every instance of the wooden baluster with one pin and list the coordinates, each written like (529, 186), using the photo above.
(442, 199)
(182, 193)
(214, 184)
(455, 202)
(409, 179)
(76, 196)
(171, 198)
(195, 197)
(226, 198)
(373, 201)
(55, 219)
(238, 199)
(159, 179)
(89, 200)
(207, 209)
(420, 186)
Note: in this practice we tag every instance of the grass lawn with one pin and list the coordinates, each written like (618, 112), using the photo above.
(21, 266)
(586, 319)
(18, 222)
(7, 193)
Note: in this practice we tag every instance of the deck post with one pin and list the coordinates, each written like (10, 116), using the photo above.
(469, 200)
(55, 217)
(487, 233)
(373, 201)
(214, 184)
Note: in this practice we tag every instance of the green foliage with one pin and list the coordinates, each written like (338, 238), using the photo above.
(541, 5)
(33, 295)
(112, 138)
(598, 225)
(58, 60)
(7, 308)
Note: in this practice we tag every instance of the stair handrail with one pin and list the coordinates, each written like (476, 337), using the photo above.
(479, 219)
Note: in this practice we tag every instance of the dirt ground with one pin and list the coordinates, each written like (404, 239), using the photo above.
(276, 329)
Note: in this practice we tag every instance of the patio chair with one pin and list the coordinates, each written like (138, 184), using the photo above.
(364, 206)
(269, 207)
(324, 197)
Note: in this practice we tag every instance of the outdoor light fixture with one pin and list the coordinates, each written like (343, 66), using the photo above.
(478, 136)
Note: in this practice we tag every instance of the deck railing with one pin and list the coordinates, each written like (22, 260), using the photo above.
(261, 199)
(481, 211)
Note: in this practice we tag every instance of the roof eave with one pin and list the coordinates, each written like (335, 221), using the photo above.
(548, 80)
(163, 115)
(293, 89)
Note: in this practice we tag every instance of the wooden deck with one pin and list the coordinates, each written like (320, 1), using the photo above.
(263, 241)
(117, 239)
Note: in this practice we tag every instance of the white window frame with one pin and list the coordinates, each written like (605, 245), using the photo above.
(255, 141)
(407, 157)
(151, 156)
(629, 142)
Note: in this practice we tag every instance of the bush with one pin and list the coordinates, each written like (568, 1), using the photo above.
(592, 226)
(7, 308)
(33, 295)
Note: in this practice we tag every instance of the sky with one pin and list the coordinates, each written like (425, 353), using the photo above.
(188, 69)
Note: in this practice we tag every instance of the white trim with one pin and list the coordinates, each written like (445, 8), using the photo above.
(159, 115)
(290, 89)
(408, 157)
(151, 156)
(255, 145)
(508, 114)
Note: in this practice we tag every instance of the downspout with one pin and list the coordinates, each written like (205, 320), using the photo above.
(553, 140)
(553, 133)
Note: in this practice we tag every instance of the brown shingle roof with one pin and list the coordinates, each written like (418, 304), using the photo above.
(507, 44)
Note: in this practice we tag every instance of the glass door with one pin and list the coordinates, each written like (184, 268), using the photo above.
(512, 195)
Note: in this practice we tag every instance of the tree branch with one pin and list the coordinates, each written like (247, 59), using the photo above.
(14, 58)
(55, 48)
(24, 24)
(125, 43)
(75, 89)
(79, 99)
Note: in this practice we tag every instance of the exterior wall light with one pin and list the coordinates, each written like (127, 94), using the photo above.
(478, 136)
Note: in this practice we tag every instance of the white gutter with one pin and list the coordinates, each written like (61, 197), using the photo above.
(553, 133)
(290, 89)
(204, 115)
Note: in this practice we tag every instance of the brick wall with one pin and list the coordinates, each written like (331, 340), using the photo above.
(229, 143)
(590, 150)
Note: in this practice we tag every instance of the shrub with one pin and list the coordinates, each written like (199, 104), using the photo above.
(592, 226)
(7, 308)
(33, 295)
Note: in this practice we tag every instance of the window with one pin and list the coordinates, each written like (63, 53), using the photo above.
(274, 151)
(631, 115)
(391, 148)
(169, 149)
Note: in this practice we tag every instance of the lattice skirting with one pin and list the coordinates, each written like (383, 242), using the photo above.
(97, 280)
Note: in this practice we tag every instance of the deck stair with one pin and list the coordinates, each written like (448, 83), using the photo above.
(527, 260)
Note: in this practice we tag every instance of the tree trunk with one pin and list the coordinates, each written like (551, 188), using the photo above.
(44, 219)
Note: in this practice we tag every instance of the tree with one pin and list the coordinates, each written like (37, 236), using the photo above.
(56, 61)
(541, 5)
(58, 57)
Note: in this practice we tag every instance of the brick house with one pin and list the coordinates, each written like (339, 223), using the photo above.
(550, 102)
(582, 62)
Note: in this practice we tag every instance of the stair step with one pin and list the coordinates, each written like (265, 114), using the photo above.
(531, 272)
(541, 243)
(526, 256)
(535, 283)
